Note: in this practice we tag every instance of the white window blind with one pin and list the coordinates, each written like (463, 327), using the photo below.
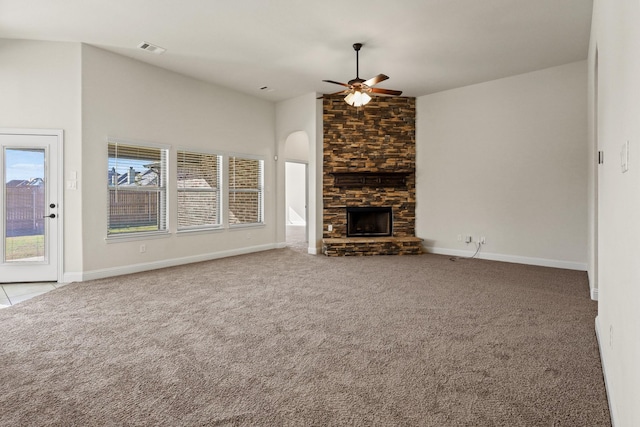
(199, 178)
(137, 187)
(246, 191)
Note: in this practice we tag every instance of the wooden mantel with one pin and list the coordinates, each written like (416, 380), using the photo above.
(370, 179)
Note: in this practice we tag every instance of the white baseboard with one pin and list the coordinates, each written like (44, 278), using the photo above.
(543, 262)
(69, 277)
(137, 268)
(604, 363)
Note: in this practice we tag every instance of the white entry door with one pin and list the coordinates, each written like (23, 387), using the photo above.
(29, 215)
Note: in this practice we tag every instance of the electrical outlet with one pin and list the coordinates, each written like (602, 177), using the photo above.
(482, 240)
(143, 248)
(459, 237)
(330, 227)
(468, 239)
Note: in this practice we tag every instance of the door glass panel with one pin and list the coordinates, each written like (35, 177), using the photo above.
(24, 189)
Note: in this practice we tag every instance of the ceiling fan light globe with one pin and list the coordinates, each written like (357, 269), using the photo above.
(349, 99)
(357, 98)
(365, 98)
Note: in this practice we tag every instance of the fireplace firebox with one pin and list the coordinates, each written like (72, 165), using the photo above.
(369, 222)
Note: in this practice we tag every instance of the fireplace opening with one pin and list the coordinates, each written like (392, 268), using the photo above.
(369, 221)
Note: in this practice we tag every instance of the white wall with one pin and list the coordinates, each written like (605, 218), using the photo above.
(129, 99)
(296, 147)
(616, 35)
(40, 89)
(295, 193)
(506, 160)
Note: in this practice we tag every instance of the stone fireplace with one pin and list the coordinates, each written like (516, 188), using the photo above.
(369, 177)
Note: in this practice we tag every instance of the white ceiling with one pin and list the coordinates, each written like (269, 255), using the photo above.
(290, 46)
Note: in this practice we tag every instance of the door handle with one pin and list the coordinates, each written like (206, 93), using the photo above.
(49, 216)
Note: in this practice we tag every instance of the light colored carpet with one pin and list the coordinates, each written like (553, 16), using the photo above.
(281, 338)
(296, 239)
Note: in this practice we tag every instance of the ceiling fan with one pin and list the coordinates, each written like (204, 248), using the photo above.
(358, 90)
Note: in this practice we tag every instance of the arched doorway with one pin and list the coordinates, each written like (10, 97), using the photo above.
(296, 152)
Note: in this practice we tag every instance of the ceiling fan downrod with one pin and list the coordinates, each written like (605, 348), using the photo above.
(356, 47)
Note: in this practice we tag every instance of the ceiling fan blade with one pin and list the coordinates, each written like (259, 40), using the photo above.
(375, 80)
(380, 91)
(336, 83)
(342, 92)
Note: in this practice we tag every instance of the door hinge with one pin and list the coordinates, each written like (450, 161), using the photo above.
(600, 157)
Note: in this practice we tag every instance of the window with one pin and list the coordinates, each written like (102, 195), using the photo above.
(198, 190)
(246, 191)
(137, 183)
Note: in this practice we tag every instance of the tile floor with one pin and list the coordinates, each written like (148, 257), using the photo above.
(13, 293)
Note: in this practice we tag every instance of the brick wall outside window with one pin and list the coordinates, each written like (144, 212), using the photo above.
(245, 191)
(198, 190)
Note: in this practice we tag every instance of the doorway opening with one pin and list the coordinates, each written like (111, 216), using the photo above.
(296, 202)
(596, 183)
(296, 154)
(30, 226)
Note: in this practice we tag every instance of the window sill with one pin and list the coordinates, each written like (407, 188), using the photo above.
(130, 237)
(188, 231)
(244, 226)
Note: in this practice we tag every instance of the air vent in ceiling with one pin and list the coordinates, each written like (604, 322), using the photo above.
(151, 48)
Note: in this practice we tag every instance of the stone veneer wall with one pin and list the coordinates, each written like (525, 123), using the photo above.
(379, 137)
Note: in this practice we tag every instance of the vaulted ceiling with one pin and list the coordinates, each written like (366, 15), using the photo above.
(290, 46)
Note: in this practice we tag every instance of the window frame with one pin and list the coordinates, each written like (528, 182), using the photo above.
(260, 190)
(162, 189)
(219, 191)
